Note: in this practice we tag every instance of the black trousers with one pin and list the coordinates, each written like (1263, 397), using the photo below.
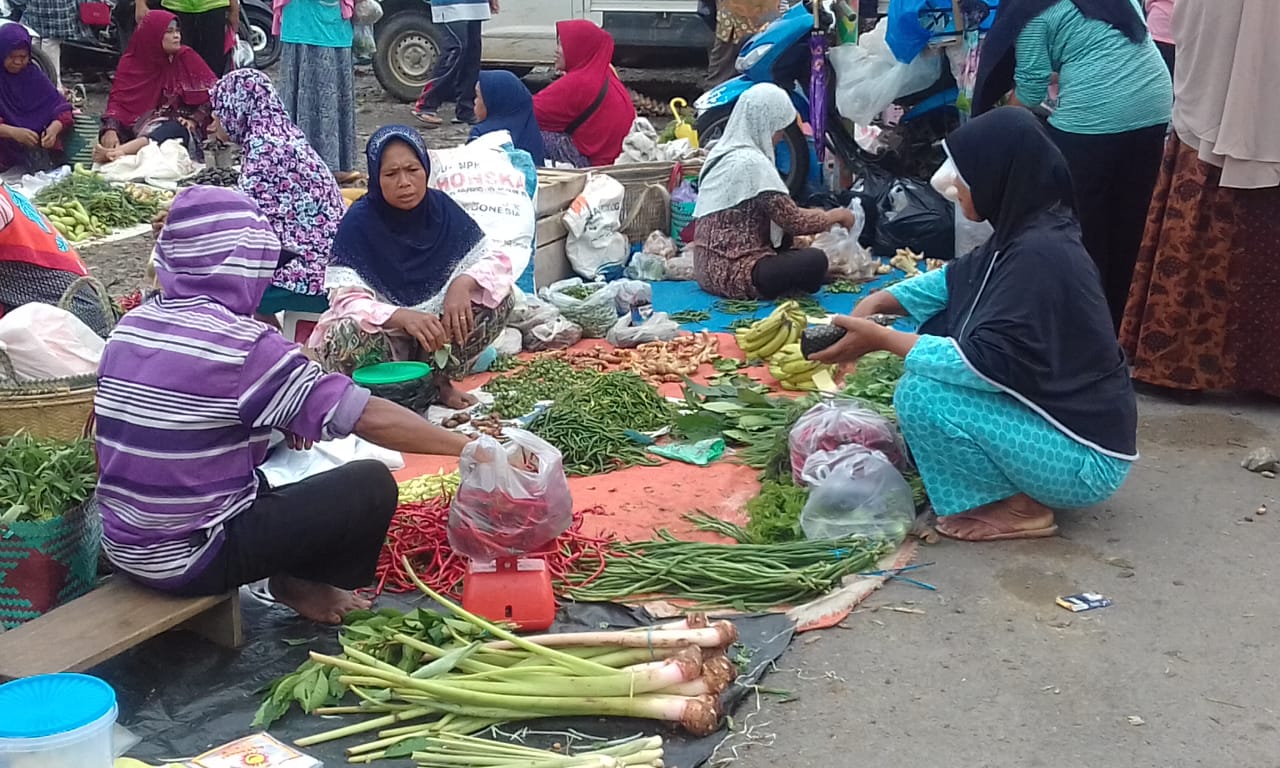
(457, 70)
(328, 528)
(1113, 175)
(1167, 52)
(206, 33)
(799, 271)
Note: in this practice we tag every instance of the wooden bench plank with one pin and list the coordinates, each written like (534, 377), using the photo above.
(108, 621)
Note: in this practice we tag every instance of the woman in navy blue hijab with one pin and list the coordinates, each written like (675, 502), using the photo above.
(1016, 400)
(504, 104)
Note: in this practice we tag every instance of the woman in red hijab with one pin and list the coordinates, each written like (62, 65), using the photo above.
(161, 92)
(584, 115)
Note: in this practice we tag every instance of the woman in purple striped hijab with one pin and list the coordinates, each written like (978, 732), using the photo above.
(191, 388)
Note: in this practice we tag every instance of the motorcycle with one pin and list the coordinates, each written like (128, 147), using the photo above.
(779, 54)
(110, 25)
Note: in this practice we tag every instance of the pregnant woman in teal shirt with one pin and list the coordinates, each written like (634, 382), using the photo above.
(1016, 399)
(1115, 98)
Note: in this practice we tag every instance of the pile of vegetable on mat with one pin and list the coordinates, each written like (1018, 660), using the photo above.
(85, 205)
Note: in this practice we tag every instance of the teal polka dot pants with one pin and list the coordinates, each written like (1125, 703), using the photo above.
(974, 447)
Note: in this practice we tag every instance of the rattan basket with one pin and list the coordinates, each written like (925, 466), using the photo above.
(57, 408)
(646, 204)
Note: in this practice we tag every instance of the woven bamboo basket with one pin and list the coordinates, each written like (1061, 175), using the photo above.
(646, 204)
(59, 408)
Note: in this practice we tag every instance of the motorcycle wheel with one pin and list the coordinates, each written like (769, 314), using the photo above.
(41, 62)
(266, 46)
(791, 154)
(408, 46)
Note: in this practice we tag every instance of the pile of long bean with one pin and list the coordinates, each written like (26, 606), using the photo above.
(745, 577)
(515, 394)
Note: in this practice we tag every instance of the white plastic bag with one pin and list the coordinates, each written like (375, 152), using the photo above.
(970, 234)
(508, 342)
(242, 55)
(595, 314)
(856, 492)
(367, 12)
(595, 246)
(285, 465)
(556, 333)
(45, 342)
(481, 178)
(511, 499)
(869, 78)
(845, 255)
(657, 327)
(168, 162)
(680, 268)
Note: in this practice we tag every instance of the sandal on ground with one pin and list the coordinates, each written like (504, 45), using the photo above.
(982, 528)
(429, 119)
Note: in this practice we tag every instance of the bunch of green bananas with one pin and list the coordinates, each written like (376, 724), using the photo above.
(763, 339)
(797, 374)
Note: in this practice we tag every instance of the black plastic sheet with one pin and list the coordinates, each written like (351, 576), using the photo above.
(182, 695)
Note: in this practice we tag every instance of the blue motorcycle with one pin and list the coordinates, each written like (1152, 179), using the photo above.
(780, 54)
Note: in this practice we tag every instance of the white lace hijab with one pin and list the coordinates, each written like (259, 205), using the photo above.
(741, 164)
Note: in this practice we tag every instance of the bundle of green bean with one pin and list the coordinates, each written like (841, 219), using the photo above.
(112, 206)
(745, 577)
(588, 423)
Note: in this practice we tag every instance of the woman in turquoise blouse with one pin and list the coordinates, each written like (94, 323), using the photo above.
(1016, 399)
(1115, 100)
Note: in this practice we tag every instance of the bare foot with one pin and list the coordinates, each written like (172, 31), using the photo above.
(315, 601)
(1017, 517)
(452, 397)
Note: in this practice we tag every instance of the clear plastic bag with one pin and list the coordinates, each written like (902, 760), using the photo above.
(841, 422)
(869, 77)
(363, 44)
(646, 266)
(367, 12)
(511, 499)
(856, 492)
(658, 244)
(680, 268)
(595, 313)
(845, 255)
(657, 327)
(556, 333)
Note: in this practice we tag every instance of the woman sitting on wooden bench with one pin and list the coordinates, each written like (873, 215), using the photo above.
(190, 388)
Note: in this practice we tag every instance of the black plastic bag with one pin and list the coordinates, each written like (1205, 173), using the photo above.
(912, 215)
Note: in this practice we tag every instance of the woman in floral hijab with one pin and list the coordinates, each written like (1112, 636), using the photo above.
(289, 182)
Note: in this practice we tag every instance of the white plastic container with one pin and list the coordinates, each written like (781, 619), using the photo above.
(57, 721)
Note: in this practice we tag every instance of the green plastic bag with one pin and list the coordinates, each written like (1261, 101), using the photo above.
(700, 453)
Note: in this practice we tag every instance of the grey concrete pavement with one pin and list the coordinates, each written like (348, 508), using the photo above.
(994, 674)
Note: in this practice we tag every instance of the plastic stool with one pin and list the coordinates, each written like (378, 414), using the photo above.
(511, 590)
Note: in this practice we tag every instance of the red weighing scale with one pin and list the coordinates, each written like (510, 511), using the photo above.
(511, 590)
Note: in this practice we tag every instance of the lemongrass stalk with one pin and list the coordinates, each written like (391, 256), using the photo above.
(721, 634)
(368, 758)
(363, 727)
(332, 711)
(642, 678)
(640, 758)
(582, 666)
(625, 657)
(381, 744)
(699, 716)
(588, 761)
(434, 725)
(511, 673)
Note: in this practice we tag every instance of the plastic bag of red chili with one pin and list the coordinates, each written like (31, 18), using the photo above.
(834, 423)
(511, 498)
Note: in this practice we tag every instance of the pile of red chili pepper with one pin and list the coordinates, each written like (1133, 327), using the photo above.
(419, 530)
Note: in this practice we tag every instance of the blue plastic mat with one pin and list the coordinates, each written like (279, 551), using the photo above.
(673, 296)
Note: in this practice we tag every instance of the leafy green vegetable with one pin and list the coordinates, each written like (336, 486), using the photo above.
(41, 478)
(875, 379)
(774, 515)
(313, 685)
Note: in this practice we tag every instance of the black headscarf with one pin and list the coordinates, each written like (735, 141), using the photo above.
(997, 62)
(1026, 308)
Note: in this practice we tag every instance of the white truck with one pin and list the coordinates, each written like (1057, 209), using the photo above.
(523, 35)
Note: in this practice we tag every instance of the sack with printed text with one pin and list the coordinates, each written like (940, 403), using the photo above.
(596, 247)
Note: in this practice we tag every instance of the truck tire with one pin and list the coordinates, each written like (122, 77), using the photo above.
(792, 152)
(408, 46)
(266, 46)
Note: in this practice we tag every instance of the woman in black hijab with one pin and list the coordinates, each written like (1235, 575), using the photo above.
(1016, 398)
(1115, 99)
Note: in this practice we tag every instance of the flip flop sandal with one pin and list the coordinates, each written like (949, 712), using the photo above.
(429, 119)
(997, 533)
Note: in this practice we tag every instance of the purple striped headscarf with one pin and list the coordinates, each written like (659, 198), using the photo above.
(216, 243)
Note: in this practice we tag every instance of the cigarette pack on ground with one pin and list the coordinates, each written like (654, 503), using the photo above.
(256, 751)
(1085, 601)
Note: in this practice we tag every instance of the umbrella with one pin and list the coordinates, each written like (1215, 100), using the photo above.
(818, 83)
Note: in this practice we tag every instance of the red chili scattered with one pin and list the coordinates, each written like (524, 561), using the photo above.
(419, 530)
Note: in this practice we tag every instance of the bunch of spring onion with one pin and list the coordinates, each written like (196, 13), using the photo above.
(453, 751)
(673, 672)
